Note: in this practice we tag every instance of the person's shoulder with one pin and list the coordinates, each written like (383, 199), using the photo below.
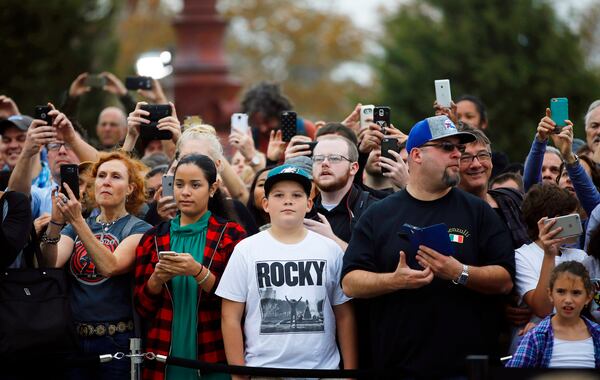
(467, 197)
(260, 239)
(139, 223)
(16, 198)
(324, 241)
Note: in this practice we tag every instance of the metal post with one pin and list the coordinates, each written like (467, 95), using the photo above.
(135, 347)
(477, 367)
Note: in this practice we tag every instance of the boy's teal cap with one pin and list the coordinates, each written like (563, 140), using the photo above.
(289, 173)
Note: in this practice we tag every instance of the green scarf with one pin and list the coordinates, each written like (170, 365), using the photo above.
(186, 239)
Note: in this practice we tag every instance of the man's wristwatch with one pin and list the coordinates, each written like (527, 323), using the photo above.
(464, 276)
(255, 160)
(575, 162)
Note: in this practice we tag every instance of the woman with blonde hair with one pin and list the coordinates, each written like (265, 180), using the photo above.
(99, 253)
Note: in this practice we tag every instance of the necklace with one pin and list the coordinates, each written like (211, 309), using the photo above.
(107, 225)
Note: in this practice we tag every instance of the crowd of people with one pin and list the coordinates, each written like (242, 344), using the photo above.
(306, 253)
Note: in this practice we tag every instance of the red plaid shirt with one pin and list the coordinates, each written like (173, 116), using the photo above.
(157, 310)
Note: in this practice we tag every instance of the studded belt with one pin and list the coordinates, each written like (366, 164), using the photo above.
(103, 329)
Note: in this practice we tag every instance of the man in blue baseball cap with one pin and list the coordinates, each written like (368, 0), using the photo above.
(434, 306)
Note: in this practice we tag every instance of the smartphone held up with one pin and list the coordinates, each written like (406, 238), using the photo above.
(443, 96)
(559, 107)
(41, 113)
(156, 112)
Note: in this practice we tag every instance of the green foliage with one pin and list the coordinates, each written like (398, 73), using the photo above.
(515, 55)
(46, 44)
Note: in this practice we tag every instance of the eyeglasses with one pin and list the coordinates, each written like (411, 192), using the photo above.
(447, 146)
(57, 146)
(481, 157)
(332, 158)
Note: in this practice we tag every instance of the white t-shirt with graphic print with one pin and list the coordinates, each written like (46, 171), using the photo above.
(289, 291)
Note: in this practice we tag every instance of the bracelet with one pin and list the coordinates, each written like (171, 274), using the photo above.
(200, 271)
(205, 277)
(47, 240)
(61, 225)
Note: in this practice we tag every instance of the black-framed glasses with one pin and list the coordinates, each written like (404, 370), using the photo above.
(332, 158)
(57, 146)
(447, 146)
(481, 157)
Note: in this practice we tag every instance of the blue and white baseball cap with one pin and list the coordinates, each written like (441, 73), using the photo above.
(435, 128)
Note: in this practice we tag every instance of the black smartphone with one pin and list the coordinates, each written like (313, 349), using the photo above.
(381, 117)
(150, 131)
(389, 143)
(138, 83)
(69, 174)
(287, 123)
(311, 145)
(41, 112)
(95, 81)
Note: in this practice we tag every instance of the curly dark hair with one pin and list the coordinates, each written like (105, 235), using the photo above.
(576, 269)
(260, 218)
(267, 99)
(545, 200)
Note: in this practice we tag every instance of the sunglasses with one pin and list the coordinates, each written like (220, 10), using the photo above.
(447, 146)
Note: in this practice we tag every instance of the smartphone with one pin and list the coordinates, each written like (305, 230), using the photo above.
(571, 225)
(157, 112)
(69, 174)
(389, 143)
(239, 123)
(381, 117)
(366, 113)
(443, 96)
(138, 83)
(95, 81)
(287, 123)
(560, 112)
(162, 254)
(41, 113)
(311, 145)
(167, 186)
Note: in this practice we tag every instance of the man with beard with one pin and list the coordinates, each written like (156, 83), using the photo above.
(340, 202)
(428, 315)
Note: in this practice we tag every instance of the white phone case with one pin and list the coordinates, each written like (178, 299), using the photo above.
(571, 225)
(442, 92)
(366, 112)
(167, 186)
(239, 123)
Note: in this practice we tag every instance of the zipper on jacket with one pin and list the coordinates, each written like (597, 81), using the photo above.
(200, 288)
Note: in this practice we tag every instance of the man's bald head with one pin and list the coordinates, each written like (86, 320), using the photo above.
(112, 126)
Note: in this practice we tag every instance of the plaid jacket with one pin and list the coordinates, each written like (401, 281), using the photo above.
(535, 350)
(157, 310)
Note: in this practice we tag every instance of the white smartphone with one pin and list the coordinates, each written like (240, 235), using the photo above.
(442, 92)
(571, 225)
(167, 186)
(162, 254)
(366, 113)
(239, 123)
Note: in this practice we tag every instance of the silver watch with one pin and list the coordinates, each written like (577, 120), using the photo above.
(464, 276)
(256, 159)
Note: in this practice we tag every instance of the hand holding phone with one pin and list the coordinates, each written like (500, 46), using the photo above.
(571, 225)
(381, 117)
(366, 115)
(239, 123)
(387, 144)
(443, 95)
(156, 112)
(287, 123)
(162, 254)
(41, 113)
(95, 81)
(559, 107)
(69, 174)
(138, 83)
(167, 186)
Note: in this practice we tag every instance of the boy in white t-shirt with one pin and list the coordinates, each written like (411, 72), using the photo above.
(284, 283)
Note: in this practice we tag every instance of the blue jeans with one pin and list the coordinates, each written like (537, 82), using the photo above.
(113, 370)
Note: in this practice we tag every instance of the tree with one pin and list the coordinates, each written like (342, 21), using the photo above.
(515, 55)
(46, 44)
(299, 46)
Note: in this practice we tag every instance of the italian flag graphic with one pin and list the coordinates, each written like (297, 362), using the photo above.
(456, 238)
